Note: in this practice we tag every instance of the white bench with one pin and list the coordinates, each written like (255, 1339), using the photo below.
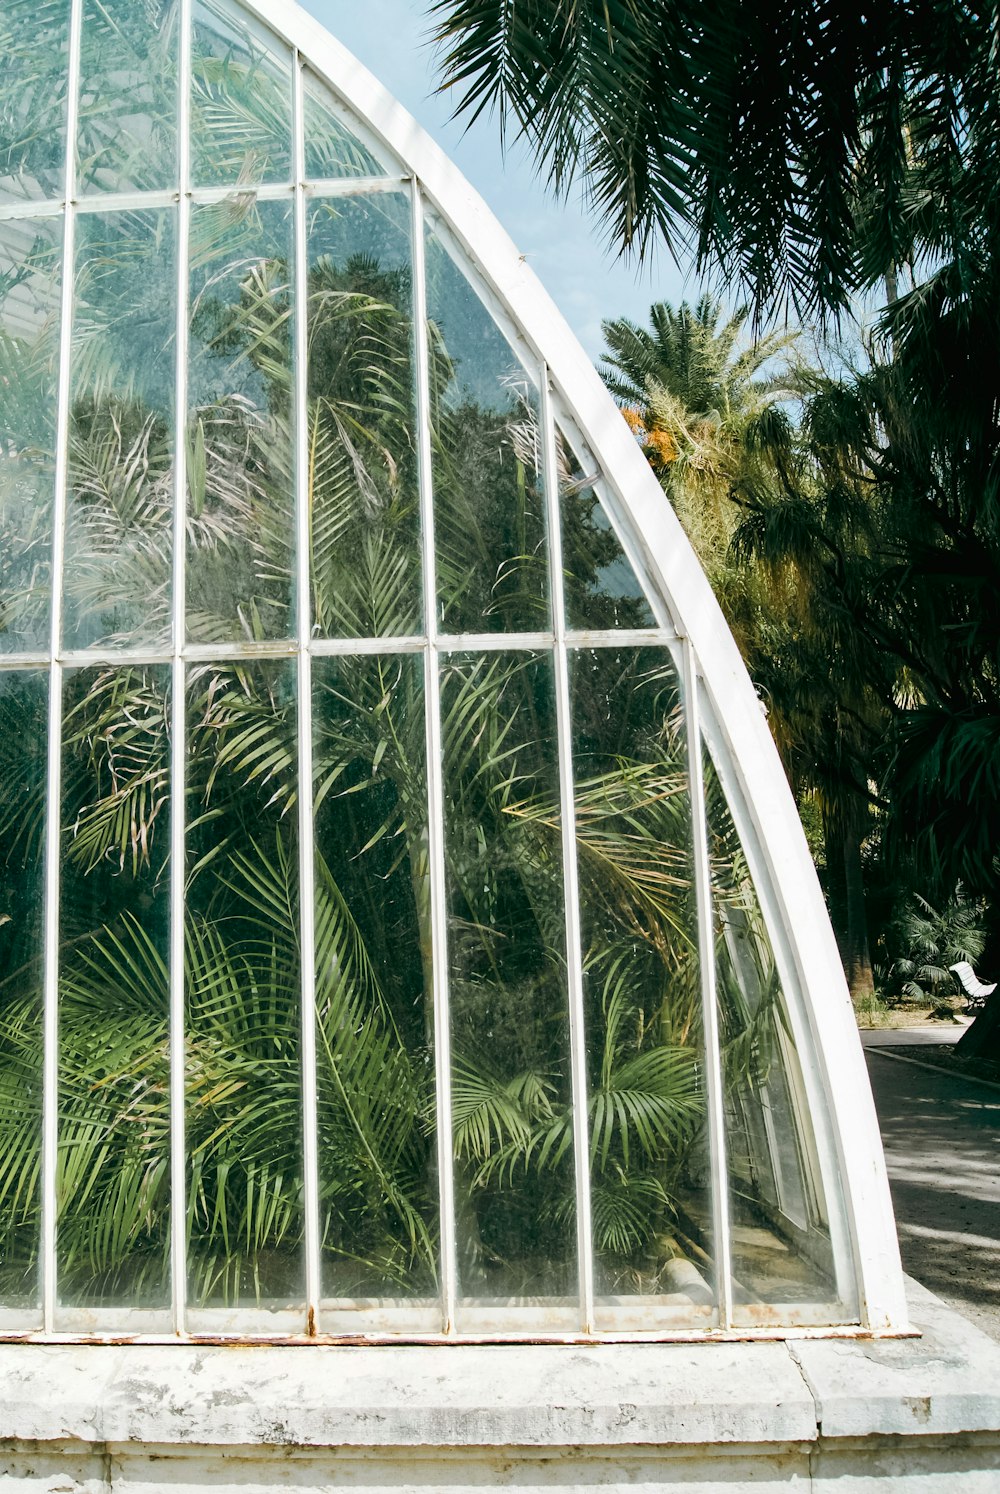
(975, 990)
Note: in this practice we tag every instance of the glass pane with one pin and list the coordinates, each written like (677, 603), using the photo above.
(240, 459)
(128, 96)
(601, 588)
(512, 1105)
(489, 504)
(650, 1185)
(120, 500)
(34, 45)
(374, 985)
(30, 255)
(332, 148)
(23, 721)
(362, 423)
(113, 1180)
(244, 1101)
(781, 1248)
(241, 101)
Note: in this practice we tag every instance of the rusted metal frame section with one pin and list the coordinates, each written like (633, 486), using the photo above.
(819, 1102)
(53, 775)
(709, 994)
(307, 920)
(435, 782)
(571, 886)
(233, 1338)
(178, 698)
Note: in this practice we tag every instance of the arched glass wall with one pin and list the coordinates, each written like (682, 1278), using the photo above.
(378, 949)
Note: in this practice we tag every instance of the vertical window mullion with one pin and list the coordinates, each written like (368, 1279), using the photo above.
(53, 789)
(178, 698)
(435, 783)
(571, 889)
(307, 924)
(709, 997)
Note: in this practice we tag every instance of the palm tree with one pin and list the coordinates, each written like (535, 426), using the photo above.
(707, 404)
(786, 161)
(835, 159)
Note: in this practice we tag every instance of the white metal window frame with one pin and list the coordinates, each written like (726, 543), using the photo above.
(721, 708)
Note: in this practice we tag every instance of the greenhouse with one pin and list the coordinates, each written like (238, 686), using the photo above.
(395, 939)
(407, 937)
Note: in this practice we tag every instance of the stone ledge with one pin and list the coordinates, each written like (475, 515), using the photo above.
(945, 1382)
(598, 1400)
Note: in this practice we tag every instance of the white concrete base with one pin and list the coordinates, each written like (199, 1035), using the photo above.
(921, 1415)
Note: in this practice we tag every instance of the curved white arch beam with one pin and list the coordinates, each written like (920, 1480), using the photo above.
(805, 949)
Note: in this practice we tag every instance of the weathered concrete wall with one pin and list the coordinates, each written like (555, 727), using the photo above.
(919, 1416)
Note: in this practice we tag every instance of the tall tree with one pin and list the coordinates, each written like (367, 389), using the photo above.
(782, 156)
(708, 403)
(856, 150)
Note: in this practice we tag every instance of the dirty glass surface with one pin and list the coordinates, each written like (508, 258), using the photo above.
(374, 982)
(34, 45)
(240, 455)
(30, 261)
(650, 1190)
(511, 1097)
(492, 565)
(119, 539)
(365, 560)
(112, 1180)
(780, 1235)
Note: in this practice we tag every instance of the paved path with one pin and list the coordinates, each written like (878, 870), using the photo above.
(893, 1037)
(942, 1143)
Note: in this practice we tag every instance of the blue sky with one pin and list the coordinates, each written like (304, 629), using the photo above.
(562, 244)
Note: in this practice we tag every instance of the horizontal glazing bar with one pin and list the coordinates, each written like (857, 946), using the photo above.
(265, 192)
(355, 186)
(13, 210)
(116, 202)
(485, 643)
(124, 202)
(326, 648)
(453, 643)
(619, 638)
(24, 661)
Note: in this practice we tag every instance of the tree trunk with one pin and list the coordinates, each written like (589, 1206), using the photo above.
(844, 835)
(982, 1038)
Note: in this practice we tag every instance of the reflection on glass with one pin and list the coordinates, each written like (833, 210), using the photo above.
(332, 148)
(241, 101)
(602, 590)
(649, 1166)
(374, 986)
(781, 1249)
(113, 1172)
(30, 255)
(512, 1110)
(128, 96)
(365, 530)
(240, 462)
(244, 1100)
(23, 719)
(34, 42)
(120, 500)
(488, 497)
